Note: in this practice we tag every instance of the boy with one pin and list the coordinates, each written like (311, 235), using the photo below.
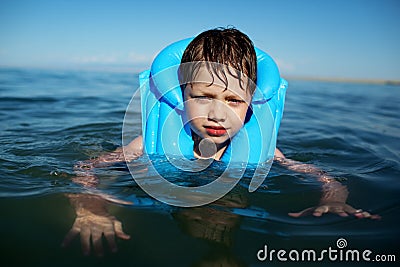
(216, 108)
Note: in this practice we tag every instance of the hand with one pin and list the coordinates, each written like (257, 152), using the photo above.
(92, 222)
(93, 227)
(339, 208)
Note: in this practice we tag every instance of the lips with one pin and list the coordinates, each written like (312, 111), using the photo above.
(215, 130)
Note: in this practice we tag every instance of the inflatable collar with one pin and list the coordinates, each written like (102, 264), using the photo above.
(166, 132)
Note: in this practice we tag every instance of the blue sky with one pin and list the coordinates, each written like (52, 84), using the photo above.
(332, 39)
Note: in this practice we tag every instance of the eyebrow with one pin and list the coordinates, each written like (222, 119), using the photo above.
(230, 95)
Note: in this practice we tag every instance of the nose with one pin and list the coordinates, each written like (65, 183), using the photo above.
(217, 111)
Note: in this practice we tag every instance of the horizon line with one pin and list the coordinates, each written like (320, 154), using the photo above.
(137, 69)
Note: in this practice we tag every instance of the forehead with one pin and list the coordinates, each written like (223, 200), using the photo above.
(225, 82)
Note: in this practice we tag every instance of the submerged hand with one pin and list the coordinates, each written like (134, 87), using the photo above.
(339, 208)
(92, 222)
(91, 228)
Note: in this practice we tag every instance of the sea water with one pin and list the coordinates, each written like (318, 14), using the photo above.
(51, 119)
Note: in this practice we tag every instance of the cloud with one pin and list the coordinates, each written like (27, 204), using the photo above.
(131, 58)
(99, 59)
(139, 58)
(285, 66)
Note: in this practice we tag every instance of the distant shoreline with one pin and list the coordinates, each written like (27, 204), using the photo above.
(137, 69)
(345, 80)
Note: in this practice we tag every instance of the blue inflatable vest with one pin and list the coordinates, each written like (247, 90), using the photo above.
(166, 132)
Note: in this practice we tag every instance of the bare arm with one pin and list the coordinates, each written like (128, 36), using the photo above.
(334, 194)
(83, 169)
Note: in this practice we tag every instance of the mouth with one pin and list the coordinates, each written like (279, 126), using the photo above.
(215, 130)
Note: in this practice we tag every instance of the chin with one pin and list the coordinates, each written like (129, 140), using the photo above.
(219, 140)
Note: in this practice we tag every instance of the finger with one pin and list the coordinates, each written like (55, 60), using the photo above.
(365, 214)
(339, 210)
(357, 213)
(111, 241)
(362, 214)
(350, 210)
(342, 214)
(97, 243)
(70, 236)
(375, 217)
(85, 240)
(301, 213)
(118, 230)
(320, 210)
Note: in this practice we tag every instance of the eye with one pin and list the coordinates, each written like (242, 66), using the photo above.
(202, 98)
(235, 102)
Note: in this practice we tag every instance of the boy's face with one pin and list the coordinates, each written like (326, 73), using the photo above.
(214, 111)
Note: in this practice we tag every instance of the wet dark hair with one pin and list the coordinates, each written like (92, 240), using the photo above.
(227, 46)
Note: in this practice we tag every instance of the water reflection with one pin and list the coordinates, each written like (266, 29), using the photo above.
(216, 226)
(215, 223)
